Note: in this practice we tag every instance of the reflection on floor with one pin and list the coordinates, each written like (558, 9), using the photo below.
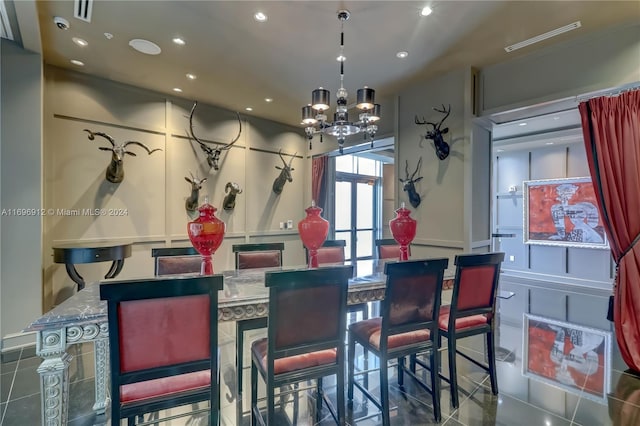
(522, 400)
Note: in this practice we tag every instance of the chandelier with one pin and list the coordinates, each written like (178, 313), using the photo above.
(314, 115)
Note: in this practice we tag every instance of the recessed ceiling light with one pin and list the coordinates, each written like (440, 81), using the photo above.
(268, 100)
(556, 118)
(426, 11)
(80, 41)
(108, 36)
(177, 89)
(341, 58)
(260, 17)
(402, 54)
(549, 143)
(249, 109)
(500, 150)
(179, 41)
(77, 62)
(145, 46)
(522, 124)
(191, 76)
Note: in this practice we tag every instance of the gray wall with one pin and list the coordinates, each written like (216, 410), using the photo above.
(601, 60)
(20, 188)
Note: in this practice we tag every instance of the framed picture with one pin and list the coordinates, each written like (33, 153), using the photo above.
(574, 358)
(562, 212)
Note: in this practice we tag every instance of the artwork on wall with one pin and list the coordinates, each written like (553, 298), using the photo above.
(562, 212)
(285, 174)
(231, 189)
(408, 184)
(574, 358)
(191, 203)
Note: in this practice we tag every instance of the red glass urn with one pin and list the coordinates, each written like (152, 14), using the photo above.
(313, 231)
(403, 228)
(206, 234)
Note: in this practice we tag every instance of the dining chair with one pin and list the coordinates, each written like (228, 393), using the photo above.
(163, 344)
(251, 256)
(408, 325)
(258, 255)
(305, 336)
(471, 312)
(330, 253)
(388, 248)
(176, 260)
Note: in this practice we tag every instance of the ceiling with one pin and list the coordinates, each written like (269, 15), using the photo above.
(239, 62)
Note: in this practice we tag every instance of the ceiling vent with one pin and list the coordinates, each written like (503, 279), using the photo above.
(544, 36)
(82, 9)
(5, 25)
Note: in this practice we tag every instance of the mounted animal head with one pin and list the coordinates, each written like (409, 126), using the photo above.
(229, 201)
(285, 174)
(115, 169)
(191, 204)
(408, 184)
(442, 148)
(213, 154)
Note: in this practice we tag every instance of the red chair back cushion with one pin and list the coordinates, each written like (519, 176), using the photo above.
(165, 331)
(171, 265)
(389, 252)
(476, 287)
(330, 255)
(259, 259)
(307, 315)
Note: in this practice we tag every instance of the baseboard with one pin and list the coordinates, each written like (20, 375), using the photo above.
(18, 341)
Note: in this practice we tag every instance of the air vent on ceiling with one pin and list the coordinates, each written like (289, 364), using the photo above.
(549, 34)
(82, 9)
(5, 25)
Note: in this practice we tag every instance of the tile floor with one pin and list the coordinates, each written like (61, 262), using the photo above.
(522, 400)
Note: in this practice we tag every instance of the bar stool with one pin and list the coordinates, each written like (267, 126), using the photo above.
(408, 325)
(176, 260)
(251, 256)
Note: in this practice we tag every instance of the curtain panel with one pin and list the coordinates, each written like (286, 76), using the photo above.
(611, 129)
(318, 181)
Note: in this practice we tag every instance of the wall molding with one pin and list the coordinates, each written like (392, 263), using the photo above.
(429, 242)
(574, 285)
(106, 123)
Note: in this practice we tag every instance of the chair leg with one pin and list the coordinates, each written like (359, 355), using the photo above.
(319, 396)
(254, 394)
(412, 363)
(453, 381)
(340, 396)
(435, 384)
(401, 371)
(491, 352)
(271, 402)
(351, 367)
(384, 391)
(239, 356)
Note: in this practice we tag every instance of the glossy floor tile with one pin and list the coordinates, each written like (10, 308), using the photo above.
(522, 400)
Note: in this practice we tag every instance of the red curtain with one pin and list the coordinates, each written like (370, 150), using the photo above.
(611, 129)
(319, 165)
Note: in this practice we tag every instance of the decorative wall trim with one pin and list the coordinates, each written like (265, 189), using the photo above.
(289, 233)
(177, 136)
(268, 151)
(106, 123)
(428, 242)
(575, 285)
(480, 243)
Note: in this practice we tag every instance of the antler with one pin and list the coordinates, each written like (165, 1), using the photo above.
(149, 151)
(444, 111)
(291, 160)
(417, 168)
(406, 169)
(92, 136)
(225, 147)
(281, 157)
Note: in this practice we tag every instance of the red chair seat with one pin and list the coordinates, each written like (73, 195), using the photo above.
(296, 362)
(165, 386)
(461, 323)
(369, 331)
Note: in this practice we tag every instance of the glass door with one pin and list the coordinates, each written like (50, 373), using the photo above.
(356, 213)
